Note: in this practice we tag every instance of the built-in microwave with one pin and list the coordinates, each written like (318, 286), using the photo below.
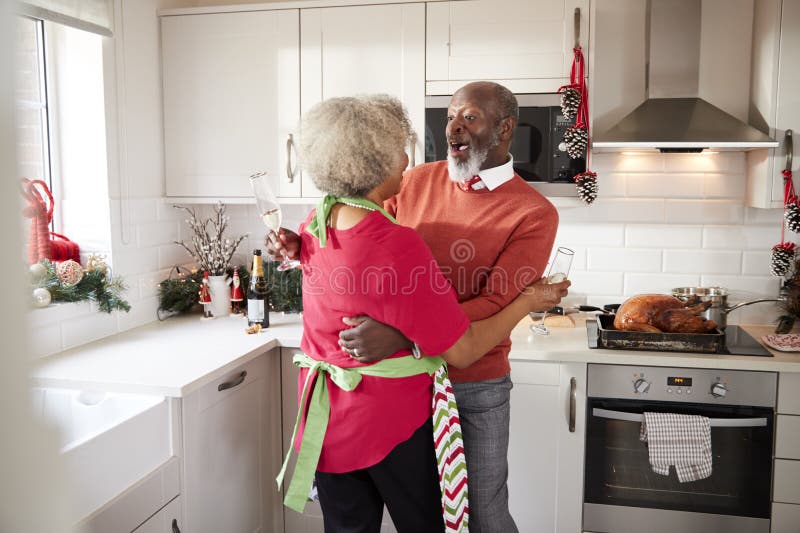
(538, 148)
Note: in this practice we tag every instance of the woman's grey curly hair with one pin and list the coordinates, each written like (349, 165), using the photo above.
(350, 145)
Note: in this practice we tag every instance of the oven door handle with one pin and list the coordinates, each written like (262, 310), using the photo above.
(715, 422)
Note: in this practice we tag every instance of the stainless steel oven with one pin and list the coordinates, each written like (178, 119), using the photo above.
(621, 492)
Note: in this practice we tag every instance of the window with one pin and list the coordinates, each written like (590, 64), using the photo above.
(33, 146)
(61, 127)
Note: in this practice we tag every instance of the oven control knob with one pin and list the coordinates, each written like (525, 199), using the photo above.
(719, 390)
(641, 386)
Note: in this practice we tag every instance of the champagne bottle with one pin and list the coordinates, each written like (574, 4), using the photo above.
(257, 303)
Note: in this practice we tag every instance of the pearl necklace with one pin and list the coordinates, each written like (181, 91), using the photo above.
(351, 204)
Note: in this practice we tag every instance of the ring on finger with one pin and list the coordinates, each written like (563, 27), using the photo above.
(355, 352)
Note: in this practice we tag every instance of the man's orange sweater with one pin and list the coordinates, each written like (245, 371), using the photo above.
(489, 244)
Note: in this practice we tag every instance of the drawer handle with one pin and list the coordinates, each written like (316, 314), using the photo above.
(175, 528)
(233, 383)
(573, 403)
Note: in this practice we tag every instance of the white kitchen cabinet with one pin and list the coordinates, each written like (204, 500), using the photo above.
(775, 101)
(786, 469)
(524, 44)
(311, 519)
(167, 520)
(231, 451)
(545, 456)
(231, 102)
(360, 50)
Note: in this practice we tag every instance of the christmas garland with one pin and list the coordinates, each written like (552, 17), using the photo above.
(67, 282)
(179, 294)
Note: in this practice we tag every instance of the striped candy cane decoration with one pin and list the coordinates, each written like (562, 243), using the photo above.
(450, 455)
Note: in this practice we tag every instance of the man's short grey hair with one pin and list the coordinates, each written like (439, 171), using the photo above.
(506, 104)
(350, 145)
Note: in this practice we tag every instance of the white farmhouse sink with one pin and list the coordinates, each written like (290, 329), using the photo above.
(109, 441)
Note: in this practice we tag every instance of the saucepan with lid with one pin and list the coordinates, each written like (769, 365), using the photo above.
(718, 296)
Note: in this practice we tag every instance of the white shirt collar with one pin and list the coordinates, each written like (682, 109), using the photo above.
(496, 176)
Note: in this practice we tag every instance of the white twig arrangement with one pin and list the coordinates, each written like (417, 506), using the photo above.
(209, 246)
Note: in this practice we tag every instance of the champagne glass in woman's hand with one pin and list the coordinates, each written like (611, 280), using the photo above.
(558, 272)
(270, 211)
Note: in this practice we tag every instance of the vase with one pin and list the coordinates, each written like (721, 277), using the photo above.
(220, 295)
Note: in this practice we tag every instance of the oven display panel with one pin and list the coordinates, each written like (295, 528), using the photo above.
(679, 382)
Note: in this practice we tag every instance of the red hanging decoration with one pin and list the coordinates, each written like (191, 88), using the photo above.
(42, 243)
(577, 136)
(783, 254)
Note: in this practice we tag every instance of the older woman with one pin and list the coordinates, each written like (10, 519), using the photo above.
(366, 428)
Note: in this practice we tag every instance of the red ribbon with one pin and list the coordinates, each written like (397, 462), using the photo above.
(789, 197)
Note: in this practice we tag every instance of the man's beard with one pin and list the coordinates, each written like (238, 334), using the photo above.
(465, 170)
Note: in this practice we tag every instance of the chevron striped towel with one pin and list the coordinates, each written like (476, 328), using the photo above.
(680, 440)
(450, 455)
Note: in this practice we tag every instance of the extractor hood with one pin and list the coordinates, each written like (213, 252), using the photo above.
(682, 46)
(681, 125)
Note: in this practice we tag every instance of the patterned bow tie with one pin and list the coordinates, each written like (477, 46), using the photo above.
(473, 184)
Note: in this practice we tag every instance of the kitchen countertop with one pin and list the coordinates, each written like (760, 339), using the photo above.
(178, 356)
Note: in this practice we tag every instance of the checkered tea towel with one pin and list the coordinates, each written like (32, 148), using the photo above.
(680, 440)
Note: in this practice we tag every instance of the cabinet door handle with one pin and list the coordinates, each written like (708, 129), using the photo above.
(289, 171)
(175, 528)
(788, 141)
(573, 403)
(233, 383)
(413, 154)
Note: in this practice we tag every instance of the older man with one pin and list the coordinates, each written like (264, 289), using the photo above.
(491, 234)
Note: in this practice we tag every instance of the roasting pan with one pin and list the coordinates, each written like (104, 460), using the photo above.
(608, 337)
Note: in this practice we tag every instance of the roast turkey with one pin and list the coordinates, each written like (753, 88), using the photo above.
(659, 313)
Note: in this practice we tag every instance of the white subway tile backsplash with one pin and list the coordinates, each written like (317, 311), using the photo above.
(744, 287)
(630, 162)
(77, 331)
(704, 212)
(756, 263)
(584, 283)
(612, 185)
(595, 234)
(44, 339)
(659, 185)
(741, 237)
(724, 185)
(135, 260)
(705, 162)
(156, 233)
(635, 260)
(141, 313)
(168, 256)
(657, 283)
(615, 210)
(662, 236)
(754, 215)
(702, 262)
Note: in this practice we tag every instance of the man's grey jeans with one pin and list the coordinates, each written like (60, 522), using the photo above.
(485, 409)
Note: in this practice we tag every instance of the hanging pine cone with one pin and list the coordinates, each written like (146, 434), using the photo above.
(586, 182)
(793, 217)
(782, 257)
(576, 139)
(570, 101)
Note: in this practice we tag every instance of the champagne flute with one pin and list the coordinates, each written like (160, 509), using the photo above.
(558, 272)
(270, 211)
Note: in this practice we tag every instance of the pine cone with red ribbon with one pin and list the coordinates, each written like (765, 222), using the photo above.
(570, 102)
(577, 139)
(586, 182)
(782, 257)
